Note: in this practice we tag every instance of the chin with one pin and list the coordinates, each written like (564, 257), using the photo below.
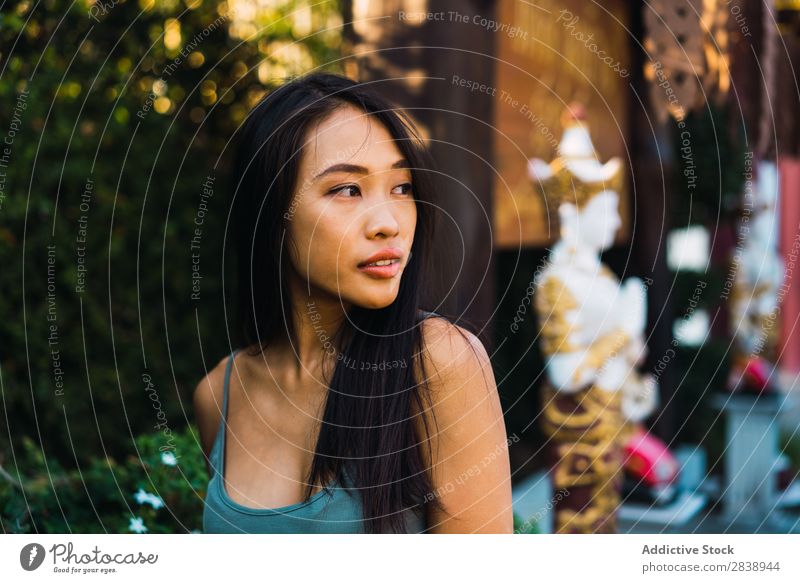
(374, 301)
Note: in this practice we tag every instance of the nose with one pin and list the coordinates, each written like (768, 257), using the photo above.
(381, 221)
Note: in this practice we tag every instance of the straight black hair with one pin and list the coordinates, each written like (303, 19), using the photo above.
(368, 430)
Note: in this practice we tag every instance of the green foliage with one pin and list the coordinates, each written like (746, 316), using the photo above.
(100, 496)
(115, 129)
(709, 164)
(120, 122)
(790, 445)
(710, 161)
(522, 526)
(700, 372)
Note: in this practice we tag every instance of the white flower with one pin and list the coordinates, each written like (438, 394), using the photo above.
(137, 525)
(168, 459)
(143, 497)
(155, 501)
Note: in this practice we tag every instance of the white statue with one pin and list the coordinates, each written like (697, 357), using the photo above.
(592, 334)
(759, 274)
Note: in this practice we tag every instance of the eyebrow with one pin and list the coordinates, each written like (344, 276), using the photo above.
(355, 169)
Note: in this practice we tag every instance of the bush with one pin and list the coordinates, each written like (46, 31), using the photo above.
(160, 488)
(522, 526)
(117, 117)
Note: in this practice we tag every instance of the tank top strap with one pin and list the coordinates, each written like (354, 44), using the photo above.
(218, 449)
(225, 385)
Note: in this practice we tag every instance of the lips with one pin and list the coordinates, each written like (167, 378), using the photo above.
(387, 254)
(384, 264)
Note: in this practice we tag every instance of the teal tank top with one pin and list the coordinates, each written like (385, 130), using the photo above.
(332, 510)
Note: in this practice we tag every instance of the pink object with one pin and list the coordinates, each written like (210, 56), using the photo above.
(648, 459)
(789, 245)
(756, 374)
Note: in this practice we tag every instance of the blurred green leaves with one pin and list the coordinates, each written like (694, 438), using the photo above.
(139, 99)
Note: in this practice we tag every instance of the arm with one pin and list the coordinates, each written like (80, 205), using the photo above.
(570, 371)
(468, 451)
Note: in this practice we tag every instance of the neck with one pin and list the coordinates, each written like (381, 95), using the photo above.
(316, 316)
(567, 246)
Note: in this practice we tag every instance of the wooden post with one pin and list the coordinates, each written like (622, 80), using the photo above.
(413, 59)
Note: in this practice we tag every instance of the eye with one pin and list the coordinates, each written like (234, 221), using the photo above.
(403, 189)
(346, 190)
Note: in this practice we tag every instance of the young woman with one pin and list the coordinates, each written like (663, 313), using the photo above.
(349, 409)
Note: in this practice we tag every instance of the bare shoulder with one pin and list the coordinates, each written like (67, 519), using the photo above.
(470, 435)
(207, 400)
(452, 354)
(457, 376)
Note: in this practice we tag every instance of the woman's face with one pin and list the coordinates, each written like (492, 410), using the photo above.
(352, 218)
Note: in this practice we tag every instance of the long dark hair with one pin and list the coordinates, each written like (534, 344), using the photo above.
(367, 425)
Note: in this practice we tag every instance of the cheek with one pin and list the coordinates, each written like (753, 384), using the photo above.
(320, 246)
(408, 219)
